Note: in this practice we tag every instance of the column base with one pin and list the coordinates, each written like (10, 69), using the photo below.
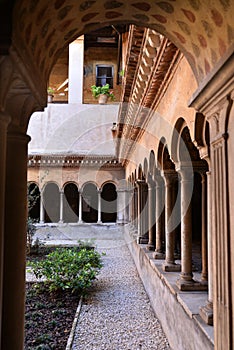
(169, 267)
(190, 285)
(142, 240)
(150, 246)
(99, 222)
(206, 313)
(158, 256)
(80, 222)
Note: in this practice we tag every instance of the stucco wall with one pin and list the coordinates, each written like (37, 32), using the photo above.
(73, 128)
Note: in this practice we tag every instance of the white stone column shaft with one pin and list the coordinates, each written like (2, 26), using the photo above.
(80, 220)
(42, 210)
(61, 207)
(99, 207)
(75, 72)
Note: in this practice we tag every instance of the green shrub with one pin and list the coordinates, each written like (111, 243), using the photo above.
(68, 269)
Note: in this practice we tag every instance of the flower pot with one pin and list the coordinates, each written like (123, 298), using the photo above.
(102, 99)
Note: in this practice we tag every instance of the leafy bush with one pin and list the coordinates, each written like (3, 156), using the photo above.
(68, 269)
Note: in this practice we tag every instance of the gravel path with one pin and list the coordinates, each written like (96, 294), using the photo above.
(118, 315)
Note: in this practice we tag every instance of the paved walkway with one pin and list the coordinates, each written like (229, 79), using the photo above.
(117, 315)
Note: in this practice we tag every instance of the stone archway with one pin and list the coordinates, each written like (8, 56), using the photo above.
(51, 202)
(33, 201)
(109, 203)
(90, 203)
(71, 203)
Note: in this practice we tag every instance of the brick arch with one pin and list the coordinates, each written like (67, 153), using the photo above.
(202, 30)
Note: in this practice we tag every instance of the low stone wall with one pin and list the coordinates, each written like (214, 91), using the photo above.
(184, 330)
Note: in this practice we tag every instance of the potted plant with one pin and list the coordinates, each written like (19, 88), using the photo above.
(102, 93)
(50, 94)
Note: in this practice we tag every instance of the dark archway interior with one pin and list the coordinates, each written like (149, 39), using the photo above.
(51, 202)
(109, 203)
(90, 203)
(71, 203)
(33, 202)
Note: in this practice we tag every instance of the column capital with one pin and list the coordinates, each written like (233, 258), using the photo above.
(150, 181)
(170, 176)
(5, 118)
(18, 136)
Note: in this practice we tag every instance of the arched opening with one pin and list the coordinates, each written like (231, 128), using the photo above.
(71, 203)
(51, 202)
(109, 203)
(33, 201)
(90, 203)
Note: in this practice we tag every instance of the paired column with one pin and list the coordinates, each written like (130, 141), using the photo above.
(151, 213)
(186, 281)
(4, 121)
(171, 186)
(142, 214)
(14, 241)
(160, 214)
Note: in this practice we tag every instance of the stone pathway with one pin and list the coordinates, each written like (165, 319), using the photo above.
(117, 315)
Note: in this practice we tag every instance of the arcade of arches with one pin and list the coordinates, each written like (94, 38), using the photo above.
(69, 205)
(174, 141)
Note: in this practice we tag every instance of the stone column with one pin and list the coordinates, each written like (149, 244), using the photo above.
(186, 276)
(42, 210)
(206, 312)
(121, 205)
(151, 213)
(15, 241)
(61, 207)
(99, 207)
(142, 234)
(159, 217)
(76, 69)
(171, 179)
(4, 121)
(80, 208)
(204, 276)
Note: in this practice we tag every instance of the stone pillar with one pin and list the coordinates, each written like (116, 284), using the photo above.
(80, 208)
(171, 180)
(204, 276)
(61, 207)
(186, 276)
(151, 213)
(142, 215)
(42, 210)
(206, 312)
(4, 121)
(160, 213)
(15, 241)
(121, 205)
(186, 281)
(76, 68)
(99, 207)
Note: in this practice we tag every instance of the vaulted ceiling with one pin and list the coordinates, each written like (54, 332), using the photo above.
(203, 30)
